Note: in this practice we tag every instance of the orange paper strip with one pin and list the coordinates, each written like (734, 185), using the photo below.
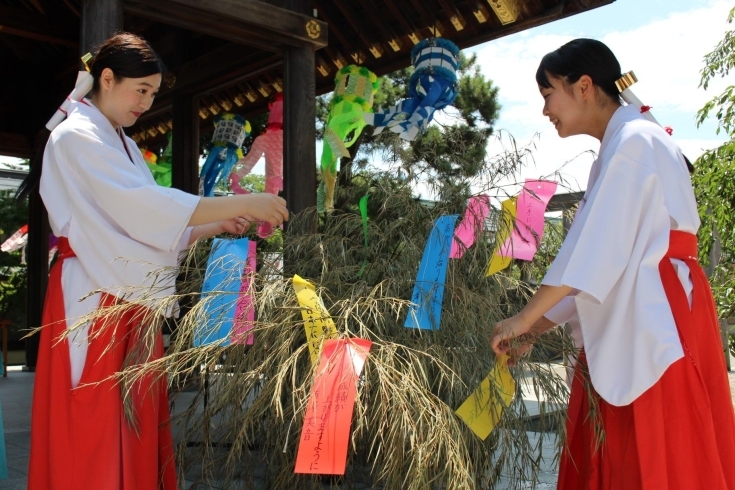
(326, 433)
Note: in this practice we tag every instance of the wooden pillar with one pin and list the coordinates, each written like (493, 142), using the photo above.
(185, 143)
(100, 20)
(299, 132)
(37, 259)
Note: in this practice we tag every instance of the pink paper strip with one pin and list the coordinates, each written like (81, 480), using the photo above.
(245, 308)
(325, 435)
(529, 226)
(471, 225)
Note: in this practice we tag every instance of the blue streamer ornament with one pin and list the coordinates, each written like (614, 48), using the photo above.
(230, 130)
(220, 291)
(432, 86)
(428, 291)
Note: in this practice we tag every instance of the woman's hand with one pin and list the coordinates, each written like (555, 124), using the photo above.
(237, 226)
(506, 335)
(263, 206)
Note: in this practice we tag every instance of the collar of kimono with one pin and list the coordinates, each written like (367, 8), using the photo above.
(621, 116)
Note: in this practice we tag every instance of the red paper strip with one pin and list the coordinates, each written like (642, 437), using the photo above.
(245, 306)
(326, 433)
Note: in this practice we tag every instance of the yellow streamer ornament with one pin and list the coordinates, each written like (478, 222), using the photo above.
(483, 409)
(354, 90)
(505, 228)
(318, 323)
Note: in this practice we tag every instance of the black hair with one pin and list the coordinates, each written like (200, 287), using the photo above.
(582, 57)
(128, 56)
(585, 57)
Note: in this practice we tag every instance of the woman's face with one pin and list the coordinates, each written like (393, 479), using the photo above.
(123, 101)
(563, 106)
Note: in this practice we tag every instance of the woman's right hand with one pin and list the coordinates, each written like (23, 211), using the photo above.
(264, 207)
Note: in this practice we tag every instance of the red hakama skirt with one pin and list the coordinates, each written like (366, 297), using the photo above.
(680, 433)
(80, 439)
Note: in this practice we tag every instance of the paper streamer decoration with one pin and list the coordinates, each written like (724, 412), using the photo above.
(270, 145)
(483, 409)
(471, 225)
(81, 88)
(428, 292)
(529, 224)
(245, 306)
(230, 130)
(325, 435)
(16, 241)
(364, 215)
(318, 323)
(432, 86)
(503, 231)
(160, 167)
(355, 87)
(220, 291)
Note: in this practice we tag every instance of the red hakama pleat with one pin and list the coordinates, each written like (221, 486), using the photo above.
(680, 433)
(80, 439)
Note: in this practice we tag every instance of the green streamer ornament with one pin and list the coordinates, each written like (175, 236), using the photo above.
(355, 87)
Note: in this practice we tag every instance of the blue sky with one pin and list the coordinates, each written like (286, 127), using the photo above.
(663, 41)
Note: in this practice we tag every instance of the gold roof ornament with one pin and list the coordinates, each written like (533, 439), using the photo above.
(506, 10)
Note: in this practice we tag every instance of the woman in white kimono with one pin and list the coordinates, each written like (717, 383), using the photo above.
(650, 373)
(116, 229)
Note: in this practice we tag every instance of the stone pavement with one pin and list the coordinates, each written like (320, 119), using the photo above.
(15, 396)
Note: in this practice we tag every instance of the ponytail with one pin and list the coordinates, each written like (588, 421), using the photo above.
(128, 56)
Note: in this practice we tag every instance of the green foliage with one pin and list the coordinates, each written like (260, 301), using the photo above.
(714, 180)
(718, 64)
(13, 279)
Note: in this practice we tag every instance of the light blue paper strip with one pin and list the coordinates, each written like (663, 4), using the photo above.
(220, 291)
(3, 457)
(428, 292)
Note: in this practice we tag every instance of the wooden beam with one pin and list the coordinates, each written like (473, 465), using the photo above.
(249, 22)
(16, 145)
(24, 23)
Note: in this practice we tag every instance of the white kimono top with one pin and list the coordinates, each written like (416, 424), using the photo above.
(100, 194)
(639, 189)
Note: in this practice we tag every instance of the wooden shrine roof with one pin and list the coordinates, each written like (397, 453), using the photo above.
(39, 49)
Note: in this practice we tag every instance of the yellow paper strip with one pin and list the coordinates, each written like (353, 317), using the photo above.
(318, 323)
(505, 228)
(482, 410)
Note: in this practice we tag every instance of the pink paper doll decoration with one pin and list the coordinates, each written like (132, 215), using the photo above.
(270, 144)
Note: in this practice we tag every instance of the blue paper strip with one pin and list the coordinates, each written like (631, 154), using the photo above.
(428, 292)
(220, 291)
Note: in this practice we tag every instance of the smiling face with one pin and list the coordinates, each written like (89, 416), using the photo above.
(124, 100)
(564, 106)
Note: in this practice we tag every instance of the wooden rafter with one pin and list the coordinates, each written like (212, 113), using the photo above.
(363, 32)
(411, 30)
(24, 23)
(249, 22)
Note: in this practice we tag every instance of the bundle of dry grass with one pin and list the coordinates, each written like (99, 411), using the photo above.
(405, 433)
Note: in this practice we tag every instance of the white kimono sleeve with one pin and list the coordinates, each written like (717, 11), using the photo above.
(623, 213)
(123, 195)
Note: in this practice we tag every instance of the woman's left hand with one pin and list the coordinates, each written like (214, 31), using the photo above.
(504, 333)
(236, 226)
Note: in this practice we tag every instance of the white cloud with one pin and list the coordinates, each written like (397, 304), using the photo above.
(666, 56)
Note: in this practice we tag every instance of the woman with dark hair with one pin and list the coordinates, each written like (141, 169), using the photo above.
(117, 230)
(650, 404)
